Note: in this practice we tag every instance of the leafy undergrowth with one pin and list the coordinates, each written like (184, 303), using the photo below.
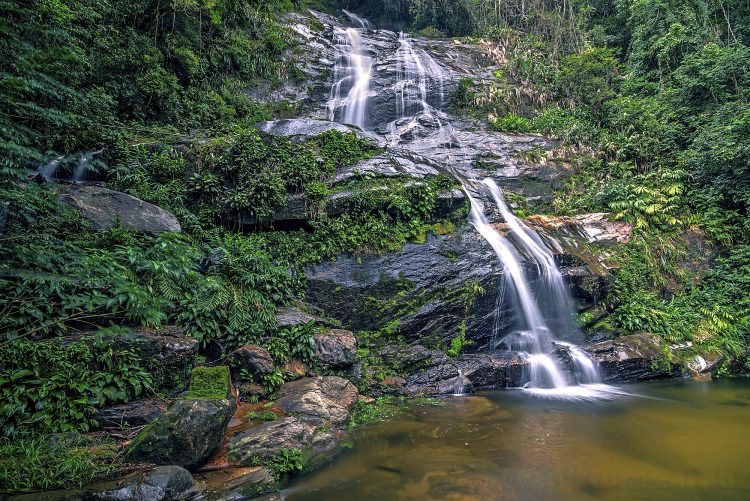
(29, 463)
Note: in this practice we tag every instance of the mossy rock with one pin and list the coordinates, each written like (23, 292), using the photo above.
(209, 383)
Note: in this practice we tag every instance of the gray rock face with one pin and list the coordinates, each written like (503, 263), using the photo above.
(289, 317)
(428, 280)
(325, 399)
(135, 413)
(633, 358)
(186, 435)
(163, 483)
(336, 348)
(104, 208)
(253, 358)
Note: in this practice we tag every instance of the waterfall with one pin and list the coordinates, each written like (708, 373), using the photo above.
(351, 74)
(545, 306)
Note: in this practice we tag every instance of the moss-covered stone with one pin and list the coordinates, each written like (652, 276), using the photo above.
(209, 383)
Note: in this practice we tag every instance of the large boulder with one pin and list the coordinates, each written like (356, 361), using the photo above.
(317, 444)
(105, 208)
(252, 358)
(336, 347)
(186, 435)
(634, 357)
(325, 398)
(163, 483)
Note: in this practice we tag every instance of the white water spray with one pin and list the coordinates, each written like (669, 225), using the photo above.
(352, 73)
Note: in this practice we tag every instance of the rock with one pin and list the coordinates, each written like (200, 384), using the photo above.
(136, 413)
(186, 435)
(210, 383)
(105, 208)
(249, 392)
(295, 369)
(428, 280)
(237, 484)
(253, 358)
(595, 228)
(701, 367)
(317, 443)
(336, 348)
(406, 358)
(162, 483)
(391, 385)
(633, 357)
(471, 372)
(293, 316)
(304, 129)
(324, 398)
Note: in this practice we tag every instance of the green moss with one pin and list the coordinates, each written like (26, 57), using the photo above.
(209, 383)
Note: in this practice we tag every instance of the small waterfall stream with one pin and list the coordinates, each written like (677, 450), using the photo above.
(545, 305)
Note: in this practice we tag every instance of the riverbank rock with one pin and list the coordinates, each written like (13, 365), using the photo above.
(316, 442)
(634, 357)
(105, 208)
(188, 433)
(236, 484)
(336, 347)
(163, 483)
(325, 398)
(136, 413)
(252, 358)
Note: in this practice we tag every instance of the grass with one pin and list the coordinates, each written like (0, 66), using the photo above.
(42, 462)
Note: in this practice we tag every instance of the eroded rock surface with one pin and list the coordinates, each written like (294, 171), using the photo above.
(325, 398)
(252, 358)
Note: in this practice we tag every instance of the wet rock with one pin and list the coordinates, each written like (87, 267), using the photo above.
(135, 413)
(323, 399)
(701, 367)
(336, 348)
(317, 443)
(237, 484)
(470, 372)
(395, 162)
(633, 358)
(163, 483)
(292, 316)
(187, 434)
(493, 371)
(427, 278)
(252, 358)
(105, 208)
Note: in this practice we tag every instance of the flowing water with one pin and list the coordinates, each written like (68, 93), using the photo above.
(677, 441)
(546, 307)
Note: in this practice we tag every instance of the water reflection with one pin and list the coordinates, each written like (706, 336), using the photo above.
(681, 441)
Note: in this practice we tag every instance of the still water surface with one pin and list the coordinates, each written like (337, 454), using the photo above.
(672, 441)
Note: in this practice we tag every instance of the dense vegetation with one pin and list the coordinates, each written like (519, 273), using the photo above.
(650, 99)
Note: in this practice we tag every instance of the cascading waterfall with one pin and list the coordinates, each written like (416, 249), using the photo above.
(544, 303)
(351, 74)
